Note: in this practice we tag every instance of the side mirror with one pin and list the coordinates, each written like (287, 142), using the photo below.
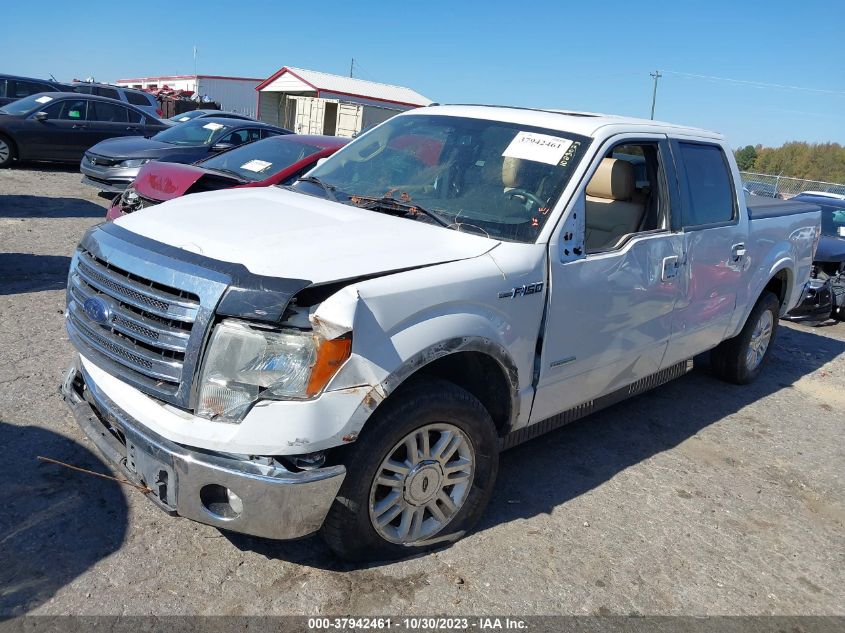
(222, 147)
(41, 116)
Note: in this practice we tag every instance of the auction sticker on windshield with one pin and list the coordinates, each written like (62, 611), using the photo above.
(541, 148)
(44, 99)
(256, 165)
(212, 126)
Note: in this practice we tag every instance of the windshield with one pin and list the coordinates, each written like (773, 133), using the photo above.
(187, 116)
(199, 132)
(833, 220)
(488, 177)
(27, 104)
(262, 159)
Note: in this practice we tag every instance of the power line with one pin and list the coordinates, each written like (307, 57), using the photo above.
(758, 84)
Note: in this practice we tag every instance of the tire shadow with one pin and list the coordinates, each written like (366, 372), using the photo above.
(24, 272)
(56, 523)
(547, 472)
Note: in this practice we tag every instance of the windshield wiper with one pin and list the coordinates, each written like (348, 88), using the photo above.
(388, 204)
(329, 189)
(229, 172)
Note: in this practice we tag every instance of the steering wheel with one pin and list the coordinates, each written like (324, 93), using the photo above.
(516, 192)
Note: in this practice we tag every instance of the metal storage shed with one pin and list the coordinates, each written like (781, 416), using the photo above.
(313, 102)
(234, 94)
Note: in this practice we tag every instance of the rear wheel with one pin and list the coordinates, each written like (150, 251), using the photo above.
(420, 475)
(7, 151)
(741, 359)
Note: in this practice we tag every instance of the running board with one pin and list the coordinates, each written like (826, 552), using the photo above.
(514, 438)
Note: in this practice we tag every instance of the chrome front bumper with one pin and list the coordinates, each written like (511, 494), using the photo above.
(113, 179)
(268, 501)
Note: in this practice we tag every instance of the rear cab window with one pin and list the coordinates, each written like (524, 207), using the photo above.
(706, 186)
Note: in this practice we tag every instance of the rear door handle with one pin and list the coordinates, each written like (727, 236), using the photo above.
(79, 126)
(670, 268)
(132, 128)
(738, 251)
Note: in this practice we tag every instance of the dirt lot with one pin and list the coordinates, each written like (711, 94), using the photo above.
(697, 498)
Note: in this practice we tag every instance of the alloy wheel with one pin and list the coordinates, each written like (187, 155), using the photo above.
(422, 483)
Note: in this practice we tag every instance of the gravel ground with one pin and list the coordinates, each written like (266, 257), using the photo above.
(697, 498)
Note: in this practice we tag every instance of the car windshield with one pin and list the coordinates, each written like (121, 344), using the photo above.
(487, 177)
(833, 220)
(187, 116)
(27, 104)
(199, 132)
(262, 159)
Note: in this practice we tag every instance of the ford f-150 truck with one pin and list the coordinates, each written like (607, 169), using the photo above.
(349, 355)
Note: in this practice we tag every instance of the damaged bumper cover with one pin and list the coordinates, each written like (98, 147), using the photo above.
(227, 491)
(816, 302)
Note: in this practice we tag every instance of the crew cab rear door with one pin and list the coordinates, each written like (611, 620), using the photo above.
(714, 247)
(613, 265)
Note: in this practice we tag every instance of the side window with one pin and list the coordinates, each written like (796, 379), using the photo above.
(111, 93)
(68, 110)
(626, 195)
(252, 135)
(134, 115)
(707, 188)
(268, 133)
(2, 88)
(107, 112)
(25, 88)
(137, 98)
(242, 136)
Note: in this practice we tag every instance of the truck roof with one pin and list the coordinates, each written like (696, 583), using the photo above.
(585, 123)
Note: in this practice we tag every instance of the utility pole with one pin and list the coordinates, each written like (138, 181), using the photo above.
(656, 74)
(351, 65)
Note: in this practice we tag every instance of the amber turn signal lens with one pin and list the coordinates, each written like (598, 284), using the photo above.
(330, 356)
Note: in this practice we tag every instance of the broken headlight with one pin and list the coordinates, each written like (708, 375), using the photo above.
(130, 201)
(245, 362)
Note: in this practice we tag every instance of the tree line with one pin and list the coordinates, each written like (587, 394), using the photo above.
(812, 161)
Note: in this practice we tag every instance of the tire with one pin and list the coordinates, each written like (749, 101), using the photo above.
(425, 409)
(7, 151)
(741, 359)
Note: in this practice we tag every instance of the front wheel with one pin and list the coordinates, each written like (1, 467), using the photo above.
(7, 151)
(420, 475)
(741, 359)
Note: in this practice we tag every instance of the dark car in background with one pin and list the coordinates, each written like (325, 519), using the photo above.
(138, 98)
(824, 296)
(13, 87)
(278, 160)
(113, 164)
(60, 126)
(204, 114)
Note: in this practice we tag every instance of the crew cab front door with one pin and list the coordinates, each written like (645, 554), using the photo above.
(613, 277)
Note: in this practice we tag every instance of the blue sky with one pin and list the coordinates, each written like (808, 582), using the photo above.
(583, 55)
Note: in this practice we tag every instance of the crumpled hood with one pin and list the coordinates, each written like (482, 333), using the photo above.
(282, 233)
(164, 181)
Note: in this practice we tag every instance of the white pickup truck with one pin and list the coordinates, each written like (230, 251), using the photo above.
(350, 355)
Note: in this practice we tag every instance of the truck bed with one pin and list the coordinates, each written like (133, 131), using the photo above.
(760, 207)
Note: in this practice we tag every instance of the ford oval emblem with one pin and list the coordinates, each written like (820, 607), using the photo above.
(97, 310)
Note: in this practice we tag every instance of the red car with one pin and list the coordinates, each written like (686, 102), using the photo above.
(270, 161)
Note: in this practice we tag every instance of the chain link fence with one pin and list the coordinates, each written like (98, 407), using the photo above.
(784, 186)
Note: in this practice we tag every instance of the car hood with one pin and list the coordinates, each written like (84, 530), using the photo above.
(280, 233)
(165, 181)
(830, 249)
(140, 147)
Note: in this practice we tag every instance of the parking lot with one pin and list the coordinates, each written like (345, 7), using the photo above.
(697, 498)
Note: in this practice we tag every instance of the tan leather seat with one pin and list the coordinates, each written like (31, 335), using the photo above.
(611, 213)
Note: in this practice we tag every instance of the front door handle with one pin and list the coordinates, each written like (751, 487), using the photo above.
(738, 251)
(132, 128)
(79, 126)
(670, 268)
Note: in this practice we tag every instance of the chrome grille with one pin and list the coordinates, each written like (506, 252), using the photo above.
(147, 330)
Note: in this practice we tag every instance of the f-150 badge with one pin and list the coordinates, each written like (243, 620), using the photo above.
(522, 291)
